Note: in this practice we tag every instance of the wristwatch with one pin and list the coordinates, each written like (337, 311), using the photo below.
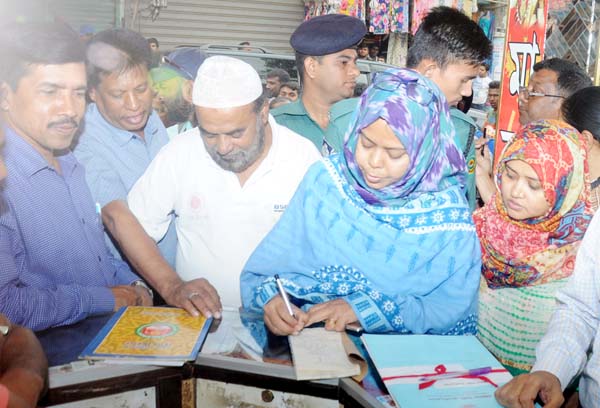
(141, 283)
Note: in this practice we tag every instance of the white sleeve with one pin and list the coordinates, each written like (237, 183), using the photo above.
(152, 198)
(572, 328)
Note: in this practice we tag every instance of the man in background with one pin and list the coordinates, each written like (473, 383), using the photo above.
(122, 136)
(553, 80)
(172, 83)
(373, 52)
(363, 50)
(155, 52)
(326, 60)
(448, 48)
(289, 90)
(276, 78)
(481, 85)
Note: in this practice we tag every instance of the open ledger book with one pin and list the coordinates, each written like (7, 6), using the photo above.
(319, 354)
(149, 335)
(436, 371)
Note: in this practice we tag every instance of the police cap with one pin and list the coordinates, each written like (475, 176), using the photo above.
(327, 34)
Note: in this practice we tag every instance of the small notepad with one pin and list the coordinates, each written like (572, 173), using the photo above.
(319, 354)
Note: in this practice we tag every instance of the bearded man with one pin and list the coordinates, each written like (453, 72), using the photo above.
(227, 181)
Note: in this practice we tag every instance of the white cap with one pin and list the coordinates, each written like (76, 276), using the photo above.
(226, 82)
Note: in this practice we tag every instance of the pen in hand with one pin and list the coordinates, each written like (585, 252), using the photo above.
(284, 296)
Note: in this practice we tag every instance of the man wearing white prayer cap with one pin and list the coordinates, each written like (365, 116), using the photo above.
(227, 181)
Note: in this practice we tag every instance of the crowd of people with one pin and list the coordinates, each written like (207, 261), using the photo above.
(190, 179)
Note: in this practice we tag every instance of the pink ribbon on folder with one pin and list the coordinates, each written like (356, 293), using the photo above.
(441, 373)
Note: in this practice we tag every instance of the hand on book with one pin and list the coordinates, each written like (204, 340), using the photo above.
(126, 295)
(522, 391)
(278, 318)
(195, 296)
(336, 314)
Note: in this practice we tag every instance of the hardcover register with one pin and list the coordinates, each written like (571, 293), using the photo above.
(149, 335)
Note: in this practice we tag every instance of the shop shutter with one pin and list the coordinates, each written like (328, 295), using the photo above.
(264, 23)
(98, 13)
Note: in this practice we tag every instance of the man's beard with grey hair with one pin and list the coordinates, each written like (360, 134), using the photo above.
(239, 159)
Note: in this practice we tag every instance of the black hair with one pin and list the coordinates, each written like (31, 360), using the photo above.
(279, 73)
(153, 41)
(494, 85)
(486, 66)
(582, 110)
(293, 85)
(115, 50)
(373, 45)
(244, 43)
(445, 36)
(571, 78)
(300, 58)
(26, 44)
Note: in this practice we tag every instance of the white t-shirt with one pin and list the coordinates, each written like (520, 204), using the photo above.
(218, 222)
(480, 89)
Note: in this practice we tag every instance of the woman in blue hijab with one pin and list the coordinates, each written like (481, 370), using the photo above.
(382, 234)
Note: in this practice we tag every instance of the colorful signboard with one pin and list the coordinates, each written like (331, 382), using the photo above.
(525, 35)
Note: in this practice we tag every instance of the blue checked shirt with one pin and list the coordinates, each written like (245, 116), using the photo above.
(55, 268)
(575, 324)
(114, 160)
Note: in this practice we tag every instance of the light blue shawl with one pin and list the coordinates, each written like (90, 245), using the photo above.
(408, 266)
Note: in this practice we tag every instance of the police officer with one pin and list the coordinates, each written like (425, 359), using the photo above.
(326, 59)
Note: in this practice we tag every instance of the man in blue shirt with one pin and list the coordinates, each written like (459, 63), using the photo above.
(121, 137)
(56, 268)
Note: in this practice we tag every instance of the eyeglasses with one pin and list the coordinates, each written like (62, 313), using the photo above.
(526, 93)
(416, 91)
(179, 67)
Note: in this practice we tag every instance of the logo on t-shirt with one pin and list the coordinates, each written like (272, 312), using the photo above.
(279, 208)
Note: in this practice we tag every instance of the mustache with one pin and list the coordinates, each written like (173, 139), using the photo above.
(65, 121)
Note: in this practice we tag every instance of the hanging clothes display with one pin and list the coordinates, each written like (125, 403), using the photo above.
(399, 16)
(388, 16)
(354, 8)
(420, 10)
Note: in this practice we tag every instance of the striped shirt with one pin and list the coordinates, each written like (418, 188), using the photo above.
(56, 268)
(575, 324)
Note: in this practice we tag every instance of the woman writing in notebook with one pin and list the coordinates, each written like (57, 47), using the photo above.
(381, 234)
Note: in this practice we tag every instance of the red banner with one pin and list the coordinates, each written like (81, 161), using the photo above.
(524, 46)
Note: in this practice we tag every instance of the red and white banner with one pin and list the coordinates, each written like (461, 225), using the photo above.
(524, 46)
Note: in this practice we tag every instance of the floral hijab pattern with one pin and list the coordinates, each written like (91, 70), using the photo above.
(538, 250)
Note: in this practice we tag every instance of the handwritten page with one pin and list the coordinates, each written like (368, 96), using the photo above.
(319, 354)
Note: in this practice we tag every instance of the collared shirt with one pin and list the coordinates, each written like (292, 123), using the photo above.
(331, 140)
(219, 222)
(115, 158)
(575, 324)
(56, 268)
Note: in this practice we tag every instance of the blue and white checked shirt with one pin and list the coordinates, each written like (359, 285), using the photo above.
(575, 325)
(55, 268)
(114, 160)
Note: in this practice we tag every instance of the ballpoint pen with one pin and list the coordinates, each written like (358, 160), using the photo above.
(284, 296)
(456, 374)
